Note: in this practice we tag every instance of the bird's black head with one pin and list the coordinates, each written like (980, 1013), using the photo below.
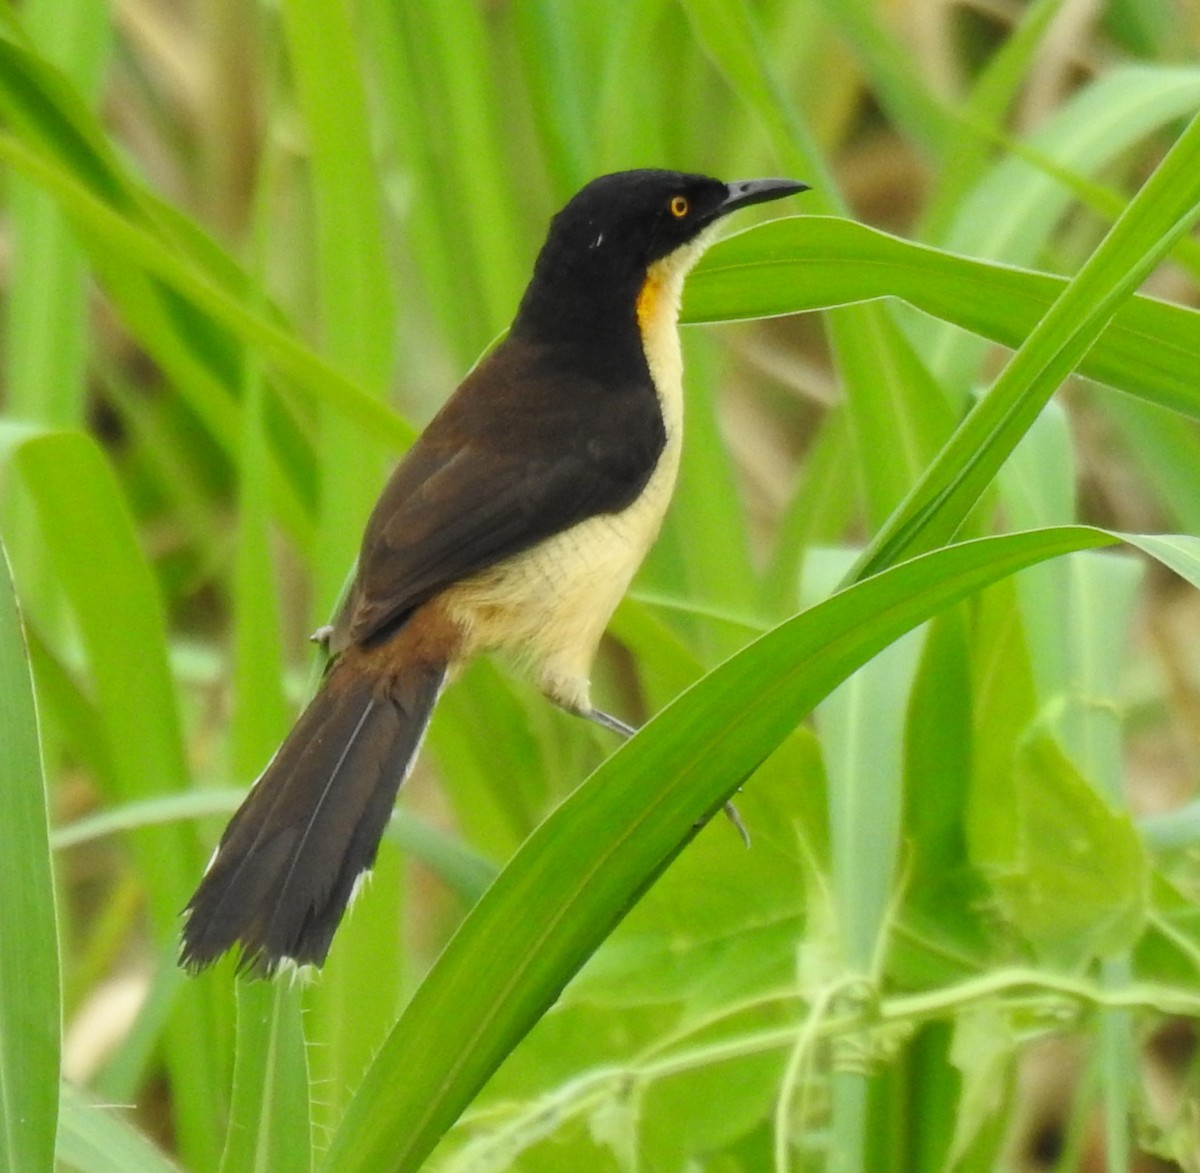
(600, 246)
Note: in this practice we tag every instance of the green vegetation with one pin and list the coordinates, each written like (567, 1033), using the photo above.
(928, 602)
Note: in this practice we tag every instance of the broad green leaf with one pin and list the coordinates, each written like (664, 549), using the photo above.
(30, 1013)
(1069, 873)
(706, 945)
(696, 963)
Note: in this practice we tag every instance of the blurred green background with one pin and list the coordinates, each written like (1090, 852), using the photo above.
(247, 249)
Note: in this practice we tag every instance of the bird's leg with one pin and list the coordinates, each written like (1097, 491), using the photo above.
(608, 721)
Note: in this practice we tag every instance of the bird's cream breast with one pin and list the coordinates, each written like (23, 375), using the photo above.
(549, 605)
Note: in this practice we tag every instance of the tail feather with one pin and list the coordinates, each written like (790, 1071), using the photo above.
(287, 864)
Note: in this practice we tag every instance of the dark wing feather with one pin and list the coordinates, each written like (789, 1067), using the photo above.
(481, 485)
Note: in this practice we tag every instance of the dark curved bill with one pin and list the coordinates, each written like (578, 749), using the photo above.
(744, 192)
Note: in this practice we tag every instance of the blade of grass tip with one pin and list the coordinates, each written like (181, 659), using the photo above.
(580, 871)
(1166, 207)
(30, 1011)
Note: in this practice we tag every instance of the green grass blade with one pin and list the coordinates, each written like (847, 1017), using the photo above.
(465, 871)
(94, 551)
(46, 319)
(356, 304)
(348, 1011)
(144, 250)
(458, 43)
(30, 1012)
(582, 868)
(268, 1117)
(861, 727)
(1013, 211)
(1163, 210)
(1150, 349)
(897, 414)
(879, 370)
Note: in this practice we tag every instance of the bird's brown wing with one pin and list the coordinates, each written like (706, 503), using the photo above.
(480, 485)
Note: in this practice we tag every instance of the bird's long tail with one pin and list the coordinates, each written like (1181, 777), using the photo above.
(287, 864)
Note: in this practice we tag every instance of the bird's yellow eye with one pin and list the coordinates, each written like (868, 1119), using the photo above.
(679, 206)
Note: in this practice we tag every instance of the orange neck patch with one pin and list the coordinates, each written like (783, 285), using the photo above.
(648, 298)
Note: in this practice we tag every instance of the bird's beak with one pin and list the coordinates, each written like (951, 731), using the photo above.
(743, 192)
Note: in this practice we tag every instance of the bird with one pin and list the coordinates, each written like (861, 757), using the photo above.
(513, 524)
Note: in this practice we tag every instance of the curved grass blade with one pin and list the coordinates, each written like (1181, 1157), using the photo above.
(588, 863)
(1165, 208)
(1151, 348)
